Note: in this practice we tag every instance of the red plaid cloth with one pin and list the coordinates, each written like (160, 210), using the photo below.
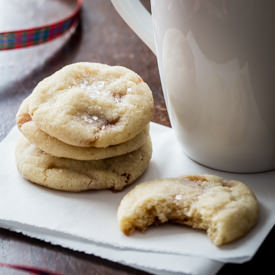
(34, 36)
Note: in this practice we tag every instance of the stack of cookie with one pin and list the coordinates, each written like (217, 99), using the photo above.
(86, 127)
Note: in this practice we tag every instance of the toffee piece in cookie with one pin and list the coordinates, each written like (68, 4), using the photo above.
(225, 209)
(91, 105)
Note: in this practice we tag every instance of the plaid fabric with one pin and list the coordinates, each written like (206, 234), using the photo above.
(30, 37)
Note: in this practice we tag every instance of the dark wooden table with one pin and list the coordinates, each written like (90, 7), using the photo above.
(102, 37)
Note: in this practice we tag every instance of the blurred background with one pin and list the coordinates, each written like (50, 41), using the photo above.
(102, 36)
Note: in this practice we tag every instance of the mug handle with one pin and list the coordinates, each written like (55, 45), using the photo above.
(138, 18)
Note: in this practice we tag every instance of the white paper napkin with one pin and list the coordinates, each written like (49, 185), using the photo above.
(92, 215)
(155, 263)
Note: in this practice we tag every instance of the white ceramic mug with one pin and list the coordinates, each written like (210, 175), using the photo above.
(217, 65)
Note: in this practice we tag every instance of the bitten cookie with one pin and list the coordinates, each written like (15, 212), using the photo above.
(225, 209)
(91, 104)
(75, 175)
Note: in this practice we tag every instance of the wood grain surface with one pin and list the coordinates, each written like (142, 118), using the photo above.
(101, 37)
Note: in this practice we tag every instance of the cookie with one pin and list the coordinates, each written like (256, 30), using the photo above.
(58, 148)
(76, 175)
(225, 209)
(91, 104)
